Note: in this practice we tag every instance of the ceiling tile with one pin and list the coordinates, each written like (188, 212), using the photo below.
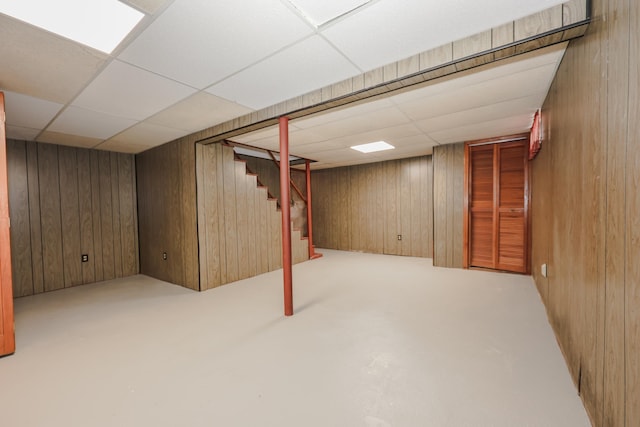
(390, 30)
(350, 110)
(319, 12)
(29, 112)
(148, 134)
(20, 133)
(379, 119)
(199, 42)
(486, 113)
(123, 147)
(301, 68)
(126, 91)
(69, 140)
(148, 6)
(42, 65)
(199, 111)
(82, 122)
(500, 127)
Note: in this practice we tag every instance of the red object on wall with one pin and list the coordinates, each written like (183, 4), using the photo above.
(535, 136)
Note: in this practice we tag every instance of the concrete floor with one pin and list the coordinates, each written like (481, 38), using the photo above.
(375, 341)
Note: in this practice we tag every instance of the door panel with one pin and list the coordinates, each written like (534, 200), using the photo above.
(481, 240)
(496, 205)
(7, 340)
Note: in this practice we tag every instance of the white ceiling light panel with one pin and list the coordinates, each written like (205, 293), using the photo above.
(373, 147)
(100, 24)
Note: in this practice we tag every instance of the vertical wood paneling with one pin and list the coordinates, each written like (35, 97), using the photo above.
(448, 176)
(21, 262)
(58, 215)
(106, 215)
(242, 224)
(127, 215)
(34, 217)
(632, 273)
(115, 203)
(585, 222)
(70, 215)
(618, 119)
(188, 208)
(86, 213)
(96, 219)
(365, 207)
(50, 217)
(230, 219)
(166, 187)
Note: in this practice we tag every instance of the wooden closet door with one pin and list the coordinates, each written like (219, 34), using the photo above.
(7, 340)
(481, 206)
(511, 207)
(496, 205)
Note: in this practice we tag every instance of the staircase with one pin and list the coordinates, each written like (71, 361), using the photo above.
(239, 224)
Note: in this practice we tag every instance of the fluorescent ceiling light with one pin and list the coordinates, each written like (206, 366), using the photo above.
(372, 147)
(100, 24)
(320, 12)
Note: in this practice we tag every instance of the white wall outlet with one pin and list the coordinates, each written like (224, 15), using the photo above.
(543, 270)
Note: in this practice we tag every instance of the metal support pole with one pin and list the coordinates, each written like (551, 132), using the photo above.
(285, 205)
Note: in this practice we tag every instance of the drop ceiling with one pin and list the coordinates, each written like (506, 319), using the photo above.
(192, 64)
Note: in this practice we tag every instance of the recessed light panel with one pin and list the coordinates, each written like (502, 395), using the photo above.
(100, 24)
(372, 147)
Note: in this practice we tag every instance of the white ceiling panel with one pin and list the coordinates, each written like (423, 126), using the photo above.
(29, 112)
(199, 42)
(320, 12)
(148, 6)
(525, 83)
(301, 68)
(123, 147)
(504, 126)
(485, 113)
(68, 139)
(20, 133)
(148, 134)
(379, 119)
(82, 122)
(390, 30)
(199, 111)
(346, 112)
(127, 91)
(551, 55)
(35, 62)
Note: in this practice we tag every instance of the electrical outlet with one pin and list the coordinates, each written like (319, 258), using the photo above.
(164, 256)
(543, 270)
(85, 258)
(399, 236)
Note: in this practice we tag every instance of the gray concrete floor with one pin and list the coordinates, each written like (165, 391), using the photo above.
(375, 341)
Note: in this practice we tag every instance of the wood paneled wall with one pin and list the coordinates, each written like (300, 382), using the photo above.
(586, 205)
(66, 202)
(167, 212)
(239, 227)
(365, 207)
(448, 199)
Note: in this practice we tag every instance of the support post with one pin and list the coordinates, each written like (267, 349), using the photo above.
(285, 205)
